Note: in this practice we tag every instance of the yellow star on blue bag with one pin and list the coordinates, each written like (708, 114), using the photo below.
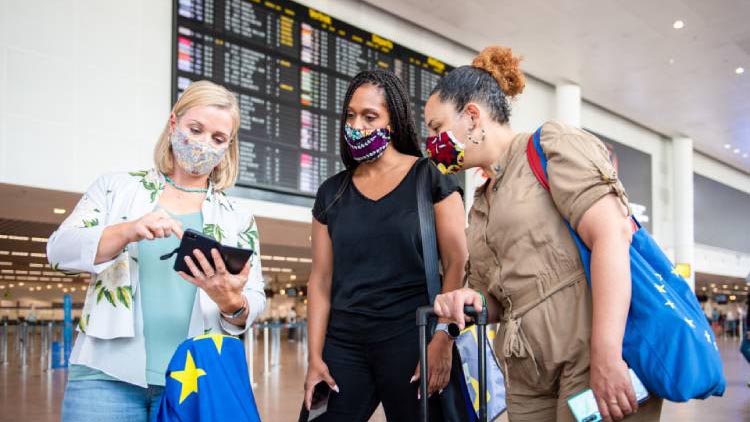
(207, 380)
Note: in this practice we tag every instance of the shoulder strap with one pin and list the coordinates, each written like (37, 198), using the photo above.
(537, 160)
(427, 229)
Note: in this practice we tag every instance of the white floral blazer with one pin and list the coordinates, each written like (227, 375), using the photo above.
(110, 332)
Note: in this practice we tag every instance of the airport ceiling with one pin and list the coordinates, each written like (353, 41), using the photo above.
(679, 67)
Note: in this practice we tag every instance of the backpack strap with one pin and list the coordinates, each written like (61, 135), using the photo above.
(536, 158)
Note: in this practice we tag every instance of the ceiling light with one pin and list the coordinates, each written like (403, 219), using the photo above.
(20, 284)
(39, 239)
(38, 288)
(678, 24)
(58, 210)
(49, 286)
(305, 260)
(19, 253)
(23, 238)
(35, 265)
(11, 285)
(736, 150)
(6, 263)
(2, 286)
(292, 277)
(72, 289)
(728, 146)
(671, 61)
(59, 285)
(744, 155)
(31, 289)
(65, 290)
(740, 70)
(38, 255)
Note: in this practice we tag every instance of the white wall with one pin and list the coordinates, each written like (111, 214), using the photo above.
(85, 89)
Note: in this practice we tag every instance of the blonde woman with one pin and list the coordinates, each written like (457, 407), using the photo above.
(138, 309)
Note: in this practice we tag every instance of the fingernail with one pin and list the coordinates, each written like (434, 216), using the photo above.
(419, 396)
(336, 388)
(413, 378)
(440, 392)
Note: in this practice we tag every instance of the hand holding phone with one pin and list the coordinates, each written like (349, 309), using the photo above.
(234, 258)
(584, 407)
(319, 404)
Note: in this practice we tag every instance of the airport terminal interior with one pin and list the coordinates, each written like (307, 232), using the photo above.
(86, 88)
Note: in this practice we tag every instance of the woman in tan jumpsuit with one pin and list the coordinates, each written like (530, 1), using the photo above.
(557, 336)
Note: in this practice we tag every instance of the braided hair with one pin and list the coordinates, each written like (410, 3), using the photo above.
(403, 128)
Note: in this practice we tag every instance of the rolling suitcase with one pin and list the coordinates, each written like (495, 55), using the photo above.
(480, 319)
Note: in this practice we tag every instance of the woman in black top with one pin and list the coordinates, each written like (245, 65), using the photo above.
(367, 276)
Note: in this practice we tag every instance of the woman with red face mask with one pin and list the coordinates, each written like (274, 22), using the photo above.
(557, 336)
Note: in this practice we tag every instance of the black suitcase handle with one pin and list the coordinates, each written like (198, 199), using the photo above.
(480, 318)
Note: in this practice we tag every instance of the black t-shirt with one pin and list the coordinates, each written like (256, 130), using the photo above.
(378, 269)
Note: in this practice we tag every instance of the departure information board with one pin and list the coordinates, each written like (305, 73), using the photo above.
(289, 66)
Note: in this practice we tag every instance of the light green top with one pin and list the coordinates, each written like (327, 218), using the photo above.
(166, 301)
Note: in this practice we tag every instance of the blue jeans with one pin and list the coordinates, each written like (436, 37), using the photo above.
(110, 401)
(745, 348)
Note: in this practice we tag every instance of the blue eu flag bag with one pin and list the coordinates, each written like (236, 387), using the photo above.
(207, 381)
(667, 342)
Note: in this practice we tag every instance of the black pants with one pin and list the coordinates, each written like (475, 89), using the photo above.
(371, 373)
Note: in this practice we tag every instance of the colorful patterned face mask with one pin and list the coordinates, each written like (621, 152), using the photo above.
(194, 156)
(446, 152)
(367, 145)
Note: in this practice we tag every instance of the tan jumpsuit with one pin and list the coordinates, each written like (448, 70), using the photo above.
(521, 252)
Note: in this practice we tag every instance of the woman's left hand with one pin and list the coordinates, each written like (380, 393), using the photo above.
(439, 362)
(613, 389)
(224, 288)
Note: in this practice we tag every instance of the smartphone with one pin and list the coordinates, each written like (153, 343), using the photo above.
(234, 258)
(584, 408)
(319, 404)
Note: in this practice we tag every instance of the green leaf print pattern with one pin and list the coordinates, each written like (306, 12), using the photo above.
(215, 231)
(249, 237)
(83, 323)
(122, 295)
(149, 185)
(56, 267)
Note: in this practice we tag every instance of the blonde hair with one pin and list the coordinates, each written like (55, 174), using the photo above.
(204, 93)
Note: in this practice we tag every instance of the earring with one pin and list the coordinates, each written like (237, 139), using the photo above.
(474, 141)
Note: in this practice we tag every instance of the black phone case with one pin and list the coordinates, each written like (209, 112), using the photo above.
(234, 258)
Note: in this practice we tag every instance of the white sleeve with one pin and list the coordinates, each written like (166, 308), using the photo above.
(73, 246)
(254, 288)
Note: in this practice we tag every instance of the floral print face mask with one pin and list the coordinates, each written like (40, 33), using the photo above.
(365, 145)
(446, 152)
(194, 156)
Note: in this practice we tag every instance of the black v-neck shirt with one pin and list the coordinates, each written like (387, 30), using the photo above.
(378, 270)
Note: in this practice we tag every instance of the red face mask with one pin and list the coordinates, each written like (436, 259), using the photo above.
(446, 152)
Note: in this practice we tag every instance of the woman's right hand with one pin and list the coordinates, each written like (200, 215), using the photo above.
(317, 371)
(451, 305)
(154, 225)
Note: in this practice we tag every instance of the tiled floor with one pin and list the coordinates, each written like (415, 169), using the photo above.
(33, 395)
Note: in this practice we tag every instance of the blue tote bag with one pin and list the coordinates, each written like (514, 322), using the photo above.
(667, 342)
(207, 380)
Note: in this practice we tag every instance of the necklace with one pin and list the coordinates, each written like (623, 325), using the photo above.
(184, 189)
